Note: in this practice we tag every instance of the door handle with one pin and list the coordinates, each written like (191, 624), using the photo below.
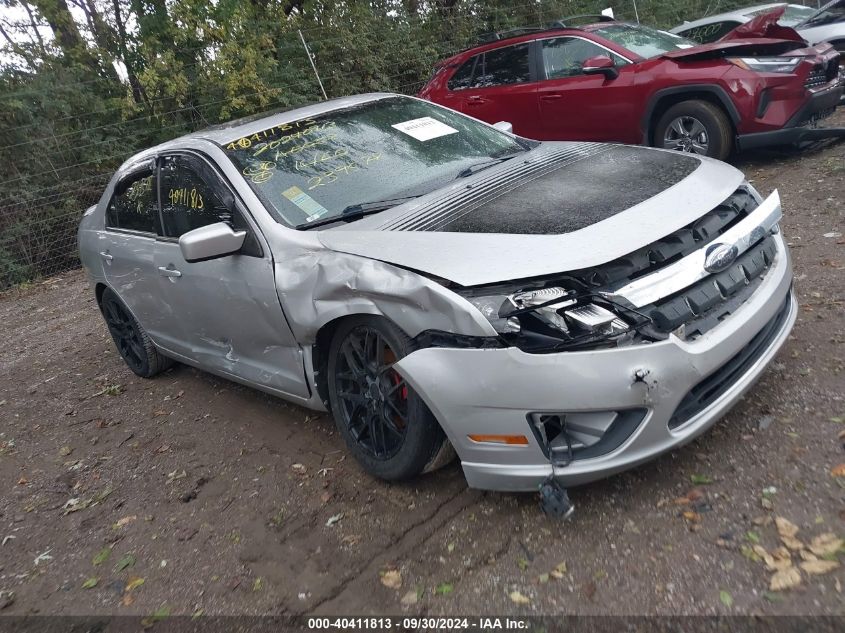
(551, 97)
(476, 100)
(169, 272)
(106, 256)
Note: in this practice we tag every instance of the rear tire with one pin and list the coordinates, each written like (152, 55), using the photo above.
(131, 340)
(386, 425)
(696, 127)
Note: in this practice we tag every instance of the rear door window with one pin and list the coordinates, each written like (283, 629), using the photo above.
(133, 206)
(503, 66)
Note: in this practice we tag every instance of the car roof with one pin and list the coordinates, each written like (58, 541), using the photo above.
(741, 15)
(527, 37)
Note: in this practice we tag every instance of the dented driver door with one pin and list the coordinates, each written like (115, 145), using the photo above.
(223, 313)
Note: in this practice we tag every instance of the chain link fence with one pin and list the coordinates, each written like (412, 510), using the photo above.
(57, 165)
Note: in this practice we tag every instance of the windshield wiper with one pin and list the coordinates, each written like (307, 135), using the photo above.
(474, 169)
(358, 211)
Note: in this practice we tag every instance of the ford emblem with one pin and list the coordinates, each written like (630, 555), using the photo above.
(719, 257)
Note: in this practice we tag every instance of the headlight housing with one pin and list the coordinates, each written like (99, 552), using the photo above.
(553, 318)
(777, 64)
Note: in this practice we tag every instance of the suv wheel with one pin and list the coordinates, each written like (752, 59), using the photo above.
(387, 426)
(697, 127)
(135, 347)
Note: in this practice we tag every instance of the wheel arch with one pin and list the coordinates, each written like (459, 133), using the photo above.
(99, 289)
(664, 99)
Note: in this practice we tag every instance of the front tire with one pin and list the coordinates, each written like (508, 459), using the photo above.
(131, 340)
(386, 425)
(696, 127)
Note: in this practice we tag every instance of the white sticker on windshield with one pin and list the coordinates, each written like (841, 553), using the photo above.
(425, 128)
(314, 209)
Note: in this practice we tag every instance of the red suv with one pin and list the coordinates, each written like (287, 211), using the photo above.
(613, 81)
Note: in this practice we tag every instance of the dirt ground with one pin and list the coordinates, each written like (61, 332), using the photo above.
(189, 494)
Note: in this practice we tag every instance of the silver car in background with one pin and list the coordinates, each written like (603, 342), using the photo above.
(440, 285)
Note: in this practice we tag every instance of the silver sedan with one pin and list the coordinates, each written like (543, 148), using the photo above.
(548, 311)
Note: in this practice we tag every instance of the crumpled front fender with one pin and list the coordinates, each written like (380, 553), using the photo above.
(317, 286)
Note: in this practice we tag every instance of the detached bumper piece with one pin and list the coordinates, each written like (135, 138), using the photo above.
(802, 126)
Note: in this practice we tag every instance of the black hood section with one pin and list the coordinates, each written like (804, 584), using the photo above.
(573, 195)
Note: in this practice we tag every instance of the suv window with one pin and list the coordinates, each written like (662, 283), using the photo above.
(707, 33)
(187, 200)
(508, 65)
(565, 56)
(133, 205)
(463, 77)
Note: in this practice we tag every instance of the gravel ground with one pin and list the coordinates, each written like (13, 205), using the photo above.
(188, 493)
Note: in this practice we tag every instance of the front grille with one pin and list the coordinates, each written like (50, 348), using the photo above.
(703, 305)
(822, 74)
(711, 388)
(672, 247)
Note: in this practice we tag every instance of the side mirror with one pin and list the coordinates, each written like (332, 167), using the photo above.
(210, 242)
(504, 126)
(600, 65)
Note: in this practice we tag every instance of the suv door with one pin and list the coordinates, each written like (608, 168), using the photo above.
(498, 85)
(127, 245)
(226, 314)
(575, 106)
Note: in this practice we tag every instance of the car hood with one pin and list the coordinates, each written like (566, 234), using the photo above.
(561, 207)
(765, 25)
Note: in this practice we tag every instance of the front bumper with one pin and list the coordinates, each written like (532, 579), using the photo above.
(492, 391)
(797, 129)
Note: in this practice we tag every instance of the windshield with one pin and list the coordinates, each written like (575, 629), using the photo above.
(793, 14)
(642, 40)
(317, 168)
(829, 14)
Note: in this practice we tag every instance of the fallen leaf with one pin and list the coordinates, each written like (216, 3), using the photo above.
(785, 579)
(258, 584)
(127, 600)
(559, 570)
(701, 480)
(518, 598)
(786, 527)
(750, 553)
(826, 544)
(792, 543)
(692, 517)
(543, 578)
(412, 597)
(334, 519)
(299, 469)
(133, 583)
(752, 536)
(819, 566)
(64, 451)
(90, 583)
(838, 471)
(125, 521)
(127, 561)
(102, 556)
(726, 598)
(443, 589)
(391, 579)
(522, 564)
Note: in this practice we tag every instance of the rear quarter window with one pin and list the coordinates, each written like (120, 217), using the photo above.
(134, 205)
(463, 76)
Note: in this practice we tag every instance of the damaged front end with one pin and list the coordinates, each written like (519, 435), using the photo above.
(632, 299)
